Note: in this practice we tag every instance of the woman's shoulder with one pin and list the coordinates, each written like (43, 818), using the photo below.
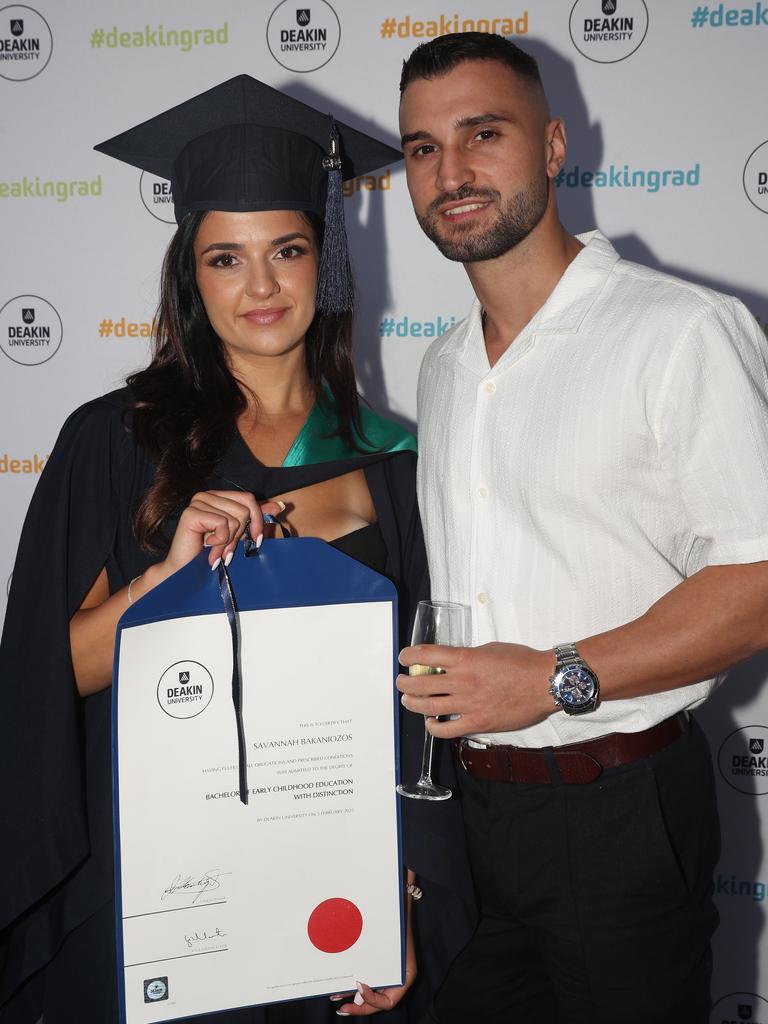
(99, 413)
(107, 407)
(100, 424)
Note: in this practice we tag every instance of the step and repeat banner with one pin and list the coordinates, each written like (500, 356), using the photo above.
(668, 156)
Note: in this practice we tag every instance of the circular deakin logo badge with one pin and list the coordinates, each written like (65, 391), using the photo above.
(755, 177)
(157, 197)
(740, 1006)
(607, 31)
(743, 760)
(30, 330)
(26, 43)
(185, 689)
(303, 38)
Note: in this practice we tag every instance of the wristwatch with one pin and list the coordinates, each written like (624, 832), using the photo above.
(574, 686)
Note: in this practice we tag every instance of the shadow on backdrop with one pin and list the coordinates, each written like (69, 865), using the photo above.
(586, 148)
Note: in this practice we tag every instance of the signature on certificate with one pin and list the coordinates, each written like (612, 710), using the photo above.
(196, 937)
(195, 885)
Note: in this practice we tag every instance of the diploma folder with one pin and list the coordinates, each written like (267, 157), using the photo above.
(223, 904)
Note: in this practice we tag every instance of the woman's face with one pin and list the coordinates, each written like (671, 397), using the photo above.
(257, 274)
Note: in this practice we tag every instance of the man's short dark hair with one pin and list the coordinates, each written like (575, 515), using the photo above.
(442, 54)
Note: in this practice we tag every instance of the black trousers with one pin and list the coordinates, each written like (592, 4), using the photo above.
(596, 900)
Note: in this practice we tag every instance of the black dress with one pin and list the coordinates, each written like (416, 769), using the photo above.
(56, 859)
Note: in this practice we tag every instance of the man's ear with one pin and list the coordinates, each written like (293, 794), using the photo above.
(556, 145)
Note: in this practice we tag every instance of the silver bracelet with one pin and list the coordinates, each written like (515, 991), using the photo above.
(130, 585)
(414, 891)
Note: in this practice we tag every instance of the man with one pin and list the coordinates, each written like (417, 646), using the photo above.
(593, 479)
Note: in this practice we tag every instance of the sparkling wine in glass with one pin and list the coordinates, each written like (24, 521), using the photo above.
(447, 624)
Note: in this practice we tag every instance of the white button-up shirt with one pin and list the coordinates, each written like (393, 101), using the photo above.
(619, 445)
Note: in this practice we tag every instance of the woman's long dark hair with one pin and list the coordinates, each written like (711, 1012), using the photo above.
(186, 402)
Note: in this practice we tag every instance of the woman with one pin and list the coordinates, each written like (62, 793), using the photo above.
(250, 396)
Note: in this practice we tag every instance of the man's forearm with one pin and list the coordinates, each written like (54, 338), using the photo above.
(703, 626)
(706, 624)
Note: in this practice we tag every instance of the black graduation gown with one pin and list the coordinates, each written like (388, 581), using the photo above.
(56, 857)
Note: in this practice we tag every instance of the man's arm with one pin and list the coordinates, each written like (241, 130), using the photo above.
(708, 623)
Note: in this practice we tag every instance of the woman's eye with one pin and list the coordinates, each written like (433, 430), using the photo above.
(290, 252)
(225, 259)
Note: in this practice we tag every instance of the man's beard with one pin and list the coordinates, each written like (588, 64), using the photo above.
(516, 219)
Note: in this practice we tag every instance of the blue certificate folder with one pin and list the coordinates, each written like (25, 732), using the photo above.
(257, 831)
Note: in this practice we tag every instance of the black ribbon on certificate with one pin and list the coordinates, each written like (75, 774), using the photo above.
(251, 548)
(228, 600)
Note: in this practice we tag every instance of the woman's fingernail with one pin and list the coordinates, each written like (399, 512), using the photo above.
(359, 999)
(335, 999)
(216, 565)
(228, 559)
(259, 541)
(282, 505)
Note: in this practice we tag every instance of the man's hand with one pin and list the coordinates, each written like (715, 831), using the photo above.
(494, 688)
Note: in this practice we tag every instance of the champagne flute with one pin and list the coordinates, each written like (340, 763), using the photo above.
(448, 624)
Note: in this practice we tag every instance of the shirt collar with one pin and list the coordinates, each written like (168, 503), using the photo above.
(576, 291)
(562, 313)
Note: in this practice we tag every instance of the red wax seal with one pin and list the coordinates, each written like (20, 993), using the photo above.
(334, 925)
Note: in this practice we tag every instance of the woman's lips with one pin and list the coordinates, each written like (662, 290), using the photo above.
(266, 316)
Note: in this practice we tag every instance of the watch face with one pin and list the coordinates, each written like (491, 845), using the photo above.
(577, 687)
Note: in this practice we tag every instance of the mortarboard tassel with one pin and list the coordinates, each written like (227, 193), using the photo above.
(335, 289)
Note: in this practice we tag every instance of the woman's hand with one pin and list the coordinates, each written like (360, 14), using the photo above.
(368, 1000)
(216, 520)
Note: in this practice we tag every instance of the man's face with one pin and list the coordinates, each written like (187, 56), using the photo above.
(479, 152)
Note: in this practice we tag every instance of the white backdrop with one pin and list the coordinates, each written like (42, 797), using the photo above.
(668, 156)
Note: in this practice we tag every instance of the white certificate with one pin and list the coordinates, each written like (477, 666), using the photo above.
(298, 893)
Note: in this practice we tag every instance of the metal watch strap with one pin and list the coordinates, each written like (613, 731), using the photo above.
(566, 654)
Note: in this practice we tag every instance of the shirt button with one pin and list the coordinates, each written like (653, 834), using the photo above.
(482, 492)
(489, 387)
(482, 598)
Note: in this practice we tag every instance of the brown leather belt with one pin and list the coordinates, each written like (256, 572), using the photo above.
(575, 763)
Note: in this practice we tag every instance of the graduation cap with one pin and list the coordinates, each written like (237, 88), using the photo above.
(243, 146)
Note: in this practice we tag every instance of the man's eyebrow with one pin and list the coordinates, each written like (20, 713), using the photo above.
(463, 122)
(414, 137)
(472, 122)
